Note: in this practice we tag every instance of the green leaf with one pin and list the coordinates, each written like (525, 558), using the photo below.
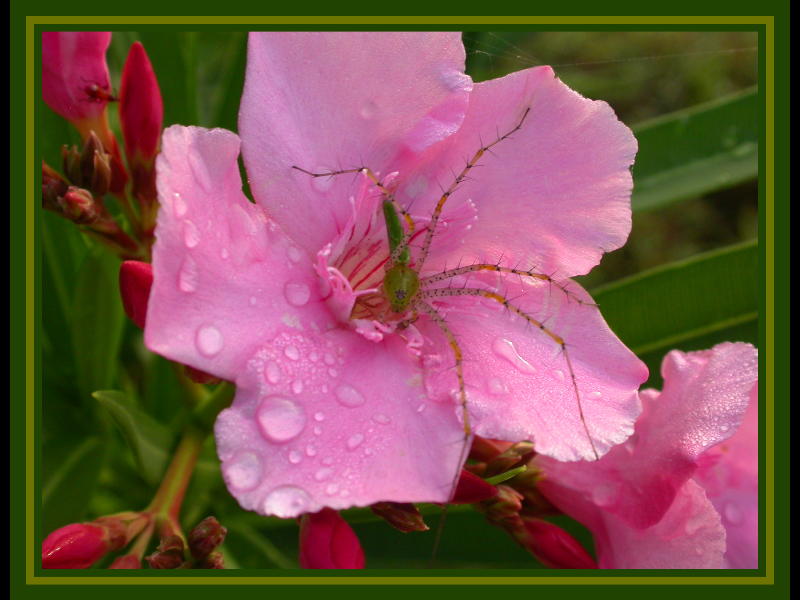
(695, 151)
(96, 322)
(70, 483)
(148, 439)
(689, 305)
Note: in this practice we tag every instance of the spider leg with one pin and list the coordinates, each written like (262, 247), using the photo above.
(450, 273)
(437, 212)
(466, 291)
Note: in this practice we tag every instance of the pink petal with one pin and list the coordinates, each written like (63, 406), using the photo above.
(331, 419)
(327, 101)
(729, 474)
(518, 380)
(225, 278)
(705, 394)
(689, 536)
(554, 195)
(73, 62)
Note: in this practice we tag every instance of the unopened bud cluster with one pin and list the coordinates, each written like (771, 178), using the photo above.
(203, 541)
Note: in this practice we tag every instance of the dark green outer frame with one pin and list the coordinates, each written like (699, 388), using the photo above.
(29, 581)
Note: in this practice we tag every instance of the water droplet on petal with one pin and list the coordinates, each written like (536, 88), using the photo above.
(253, 301)
(559, 374)
(319, 416)
(355, 441)
(291, 352)
(294, 254)
(331, 489)
(333, 372)
(244, 471)
(349, 396)
(311, 450)
(297, 294)
(323, 474)
(295, 457)
(297, 386)
(382, 419)
(191, 235)
(723, 428)
(272, 372)
(497, 386)
(505, 349)
(209, 341)
(179, 206)
(188, 275)
(280, 419)
(732, 514)
(287, 501)
(224, 253)
(368, 110)
(329, 359)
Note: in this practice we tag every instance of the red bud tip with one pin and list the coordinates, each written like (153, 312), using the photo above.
(554, 547)
(74, 546)
(402, 516)
(135, 281)
(205, 537)
(471, 489)
(129, 561)
(328, 542)
(141, 114)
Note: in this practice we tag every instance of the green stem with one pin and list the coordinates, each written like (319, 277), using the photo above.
(168, 498)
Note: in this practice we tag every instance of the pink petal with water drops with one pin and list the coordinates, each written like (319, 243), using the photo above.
(729, 474)
(517, 378)
(327, 101)
(73, 62)
(705, 395)
(555, 195)
(225, 278)
(331, 419)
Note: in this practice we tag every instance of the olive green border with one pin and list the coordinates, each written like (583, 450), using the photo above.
(31, 276)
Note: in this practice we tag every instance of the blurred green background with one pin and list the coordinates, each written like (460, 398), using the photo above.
(697, 192)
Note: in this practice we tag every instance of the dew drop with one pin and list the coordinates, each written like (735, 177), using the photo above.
(295, 457)
(253, 300)
(349, 396)
(244, 471)
(421, 408)
(732, 514)
(311, 450)
(723, 428)
(333, 372)
(505, 349)
(317, 430)
(291, 352)
(368, 110)
(297, 294)
(188, 275)
(559, 374)
(313, 357)
(179, 206)
(497, 386)
(294, 254)
(224, 253)
(323, 474)
(209, 341)
(272, 372)
(329, 359)
(287, 501)
(355, 441)
(191, 235)
(595, 395)
(382, 419)
(331, 489)
(297, 386)
(280, 419)
(319, 416)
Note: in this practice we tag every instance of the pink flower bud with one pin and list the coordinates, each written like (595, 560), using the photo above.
(135, 281)
(128, 561)
(471, 489)
(75, 81)
(328, 542)
(402, 516)
(553, 546)
(141, 114)
(74, 546)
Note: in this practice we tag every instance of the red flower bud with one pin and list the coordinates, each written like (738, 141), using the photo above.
(471, 489)
(205, 537)
(328, 542)
(553, 546)
(74, 546)
(141, 114)
(135, 281)
(128, 561)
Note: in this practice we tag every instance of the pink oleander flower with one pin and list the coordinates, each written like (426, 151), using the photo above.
(341, 401)
(681, 493)
(328, 542)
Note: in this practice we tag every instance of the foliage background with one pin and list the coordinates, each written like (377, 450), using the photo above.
(687, 278)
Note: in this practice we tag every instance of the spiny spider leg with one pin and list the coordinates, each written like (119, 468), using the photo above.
(437, 212)
(378, 184)
(466, 291)
(450, 273)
